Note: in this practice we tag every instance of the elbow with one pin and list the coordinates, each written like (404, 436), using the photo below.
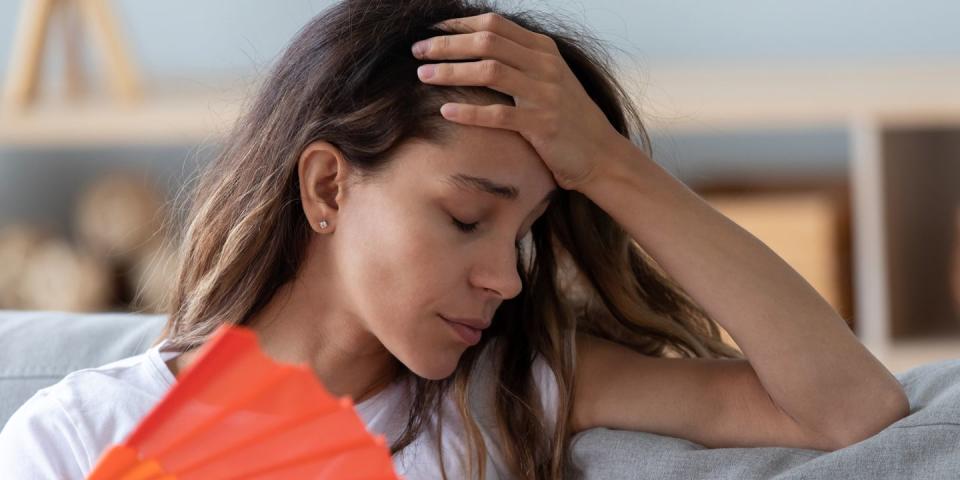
(896, 407)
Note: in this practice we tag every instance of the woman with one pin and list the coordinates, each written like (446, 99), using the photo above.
(460, 234)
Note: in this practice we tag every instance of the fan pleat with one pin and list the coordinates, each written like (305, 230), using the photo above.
(235, 413)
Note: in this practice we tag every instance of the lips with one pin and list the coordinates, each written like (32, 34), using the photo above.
(467, 332)
(475, 323)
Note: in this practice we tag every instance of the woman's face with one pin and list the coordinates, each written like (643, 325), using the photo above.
(402, 263)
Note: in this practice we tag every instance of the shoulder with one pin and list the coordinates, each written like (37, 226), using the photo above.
(544, 378)
(41, 441)
(489, 361)
(62, 429)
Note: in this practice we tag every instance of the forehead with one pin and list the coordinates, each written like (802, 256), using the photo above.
(500, 155)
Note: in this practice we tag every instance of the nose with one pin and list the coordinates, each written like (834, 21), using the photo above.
(498, 272)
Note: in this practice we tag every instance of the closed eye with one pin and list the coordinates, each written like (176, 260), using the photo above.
(471, 227)
(465, 227)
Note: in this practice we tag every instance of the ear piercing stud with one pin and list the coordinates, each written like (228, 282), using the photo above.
(323, 224)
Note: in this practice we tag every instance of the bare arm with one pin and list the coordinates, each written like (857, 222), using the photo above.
(717, 403)
(802, 352)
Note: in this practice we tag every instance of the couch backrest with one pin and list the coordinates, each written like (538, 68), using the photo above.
(38, 348)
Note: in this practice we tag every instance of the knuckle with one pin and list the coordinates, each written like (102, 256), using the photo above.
(501, 114)
(486, 41)
(552, 67)
(547, 41)
(490, 19)
(490, 70)
(550, 125)
(440, 44)
(552, 94)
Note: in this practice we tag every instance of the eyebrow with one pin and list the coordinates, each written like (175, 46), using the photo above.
(485, 185)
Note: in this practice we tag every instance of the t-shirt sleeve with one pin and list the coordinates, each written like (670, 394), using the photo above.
(40, 441)
(549, 391)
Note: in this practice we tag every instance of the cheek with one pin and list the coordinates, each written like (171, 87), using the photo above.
(391, 270)
(400, 274)
(398, 261)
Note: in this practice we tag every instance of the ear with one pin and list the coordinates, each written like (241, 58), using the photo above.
(323, 172)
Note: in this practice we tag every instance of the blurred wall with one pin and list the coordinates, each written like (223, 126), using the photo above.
(210, 36)
(202, 41)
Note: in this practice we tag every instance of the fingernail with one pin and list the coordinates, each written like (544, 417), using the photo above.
(448, 109)
(425, 71)
(420, 48)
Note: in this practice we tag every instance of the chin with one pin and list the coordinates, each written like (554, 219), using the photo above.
(434, 367)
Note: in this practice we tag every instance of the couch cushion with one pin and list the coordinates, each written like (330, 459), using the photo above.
(37, 348)
(923, 445)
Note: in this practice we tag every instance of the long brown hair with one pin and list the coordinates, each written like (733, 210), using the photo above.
(348, 78)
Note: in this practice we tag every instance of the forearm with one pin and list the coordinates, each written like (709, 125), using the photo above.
(809, 361)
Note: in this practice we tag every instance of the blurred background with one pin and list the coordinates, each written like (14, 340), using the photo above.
(829, 130)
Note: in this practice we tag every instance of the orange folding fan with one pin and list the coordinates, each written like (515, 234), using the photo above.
(237, 413)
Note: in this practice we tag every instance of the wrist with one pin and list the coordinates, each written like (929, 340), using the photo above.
(615, 161)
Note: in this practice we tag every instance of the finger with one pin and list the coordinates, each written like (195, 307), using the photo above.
(479, 45)
(485, 73)
(493, 116)
(502, 26)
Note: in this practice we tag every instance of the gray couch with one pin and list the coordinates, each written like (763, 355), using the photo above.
(38, 348)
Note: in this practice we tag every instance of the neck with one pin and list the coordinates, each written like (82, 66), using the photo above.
(296, 327)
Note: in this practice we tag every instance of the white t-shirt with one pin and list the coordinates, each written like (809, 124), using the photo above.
(61, 432)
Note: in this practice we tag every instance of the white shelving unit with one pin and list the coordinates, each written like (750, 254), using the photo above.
(172, 112)
(875, 103)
